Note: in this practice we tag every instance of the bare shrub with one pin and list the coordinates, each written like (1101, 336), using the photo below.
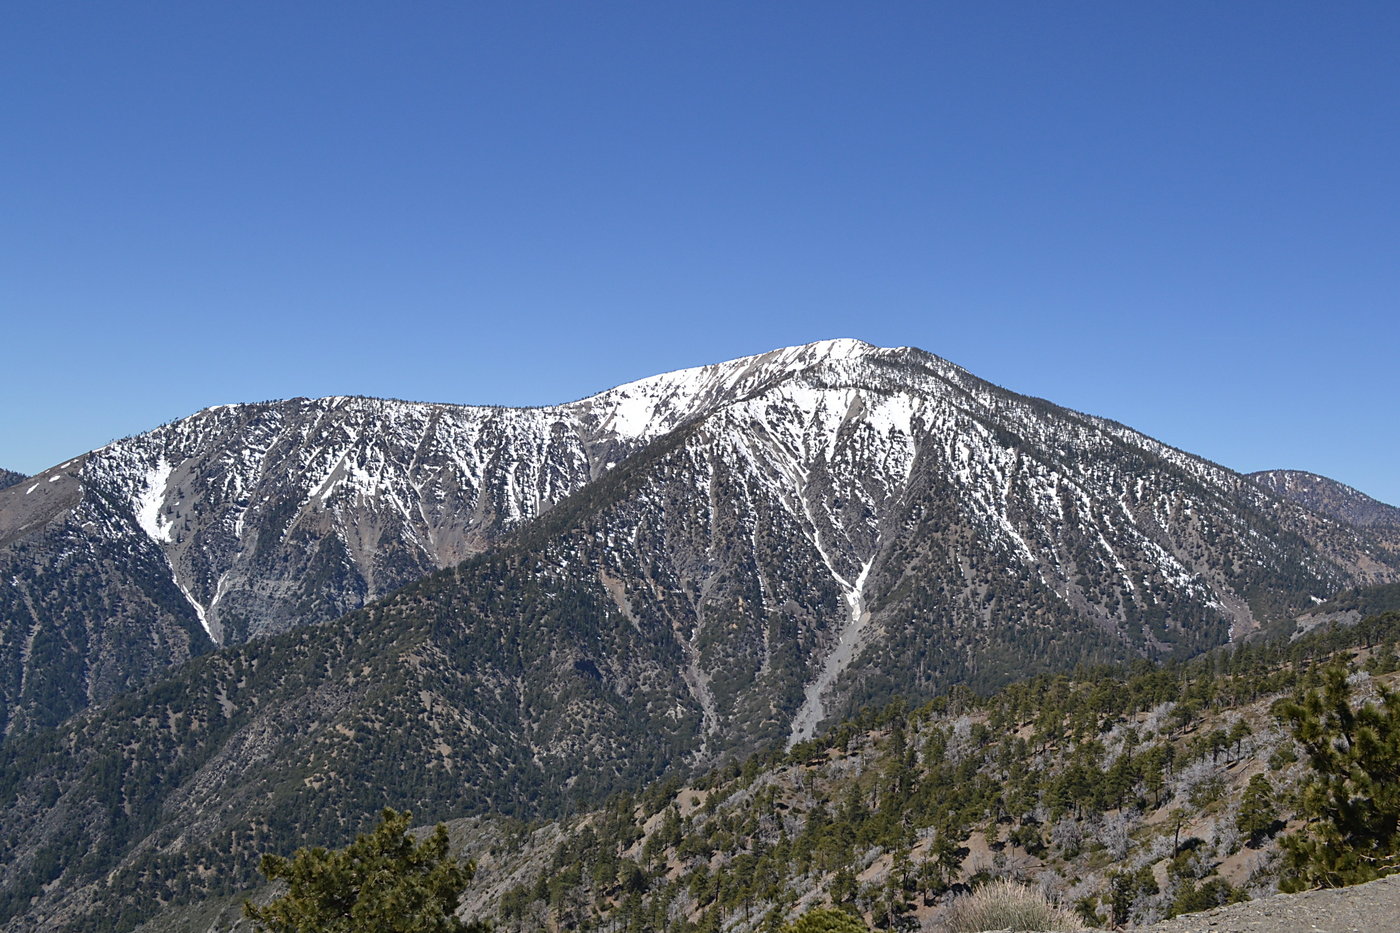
(1115, 834)
(1005, 905)
(1156, 718)
(1067, 835)
(1191, 777)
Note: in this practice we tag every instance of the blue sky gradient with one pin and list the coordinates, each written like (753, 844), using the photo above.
(1183, 216)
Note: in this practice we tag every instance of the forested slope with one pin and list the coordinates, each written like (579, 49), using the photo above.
(1129, 795)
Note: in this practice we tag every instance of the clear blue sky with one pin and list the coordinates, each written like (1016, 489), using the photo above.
(1185, 216)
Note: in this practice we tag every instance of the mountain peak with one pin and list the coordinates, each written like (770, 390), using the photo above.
(659, 403)
(802, 356)
(835, 348)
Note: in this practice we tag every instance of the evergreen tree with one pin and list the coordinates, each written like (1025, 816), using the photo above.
(1353, 796)
(383, 882)
(1126, 888)
(826, 920)
(1258, 816)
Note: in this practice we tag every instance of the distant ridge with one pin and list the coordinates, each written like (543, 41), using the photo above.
(1329, 497)
(9, 478)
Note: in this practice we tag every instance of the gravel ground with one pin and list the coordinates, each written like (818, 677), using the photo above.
(1365, 908)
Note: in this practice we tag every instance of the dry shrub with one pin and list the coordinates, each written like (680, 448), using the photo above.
(1006, 905)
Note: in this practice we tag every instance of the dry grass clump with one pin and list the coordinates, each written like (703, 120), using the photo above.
(1006, 905)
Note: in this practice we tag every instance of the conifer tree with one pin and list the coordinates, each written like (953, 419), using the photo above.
(383, 882)
(826, 920)
(1258, 815)
(1353, 796)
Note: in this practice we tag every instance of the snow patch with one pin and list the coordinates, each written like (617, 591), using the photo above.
(633, 414)
(149, 503)
(198, 609)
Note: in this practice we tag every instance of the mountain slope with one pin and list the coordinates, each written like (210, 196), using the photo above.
(1085, 786)
(245, 520)
(88, 608)
(9, 478)
(470, 690)
(1127, 796)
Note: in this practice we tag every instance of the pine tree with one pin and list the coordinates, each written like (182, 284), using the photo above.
(826, 920)
(1258, 815)
(383, 882)
(1353, 796)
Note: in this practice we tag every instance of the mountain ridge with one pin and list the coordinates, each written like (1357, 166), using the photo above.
(1329, 497)
(262, 516)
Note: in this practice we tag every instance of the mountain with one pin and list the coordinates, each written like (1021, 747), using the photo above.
(669, 574)
(1329, 497)
(901, 491)
(9, 478)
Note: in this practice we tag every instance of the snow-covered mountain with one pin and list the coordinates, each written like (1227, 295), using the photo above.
(836, 500)
(666, 574)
